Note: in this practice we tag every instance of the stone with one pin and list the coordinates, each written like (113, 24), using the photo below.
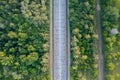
(114, 31)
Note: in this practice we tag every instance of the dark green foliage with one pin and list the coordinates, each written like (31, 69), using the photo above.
(83, 40)
(110, 19)
(24, 45)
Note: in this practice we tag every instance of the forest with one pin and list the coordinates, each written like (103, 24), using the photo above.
(84, 39)
(25, 41)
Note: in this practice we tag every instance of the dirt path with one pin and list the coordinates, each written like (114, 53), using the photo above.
(101, 59)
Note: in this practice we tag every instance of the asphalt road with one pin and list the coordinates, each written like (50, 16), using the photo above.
(58, 40)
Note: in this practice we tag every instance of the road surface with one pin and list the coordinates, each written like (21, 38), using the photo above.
(59, 41)
(100, 44)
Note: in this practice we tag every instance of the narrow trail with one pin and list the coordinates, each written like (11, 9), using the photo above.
(100, 44)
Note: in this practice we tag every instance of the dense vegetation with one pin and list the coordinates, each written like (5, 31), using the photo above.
(84, 54)
(24, 40)
(110, 17)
